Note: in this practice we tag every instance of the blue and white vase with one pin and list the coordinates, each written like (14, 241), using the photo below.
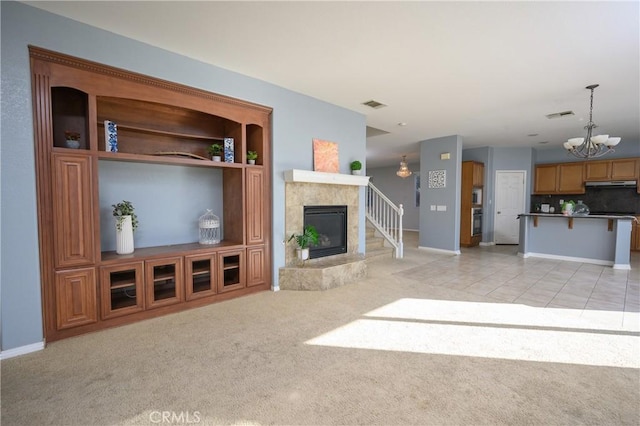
(110, 136)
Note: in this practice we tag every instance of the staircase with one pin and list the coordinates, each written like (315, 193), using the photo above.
(386, 219)
(376, 249)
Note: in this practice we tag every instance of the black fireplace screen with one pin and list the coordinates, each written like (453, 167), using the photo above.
(331, 224)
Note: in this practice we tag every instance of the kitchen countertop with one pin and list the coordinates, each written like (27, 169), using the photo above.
(590, 216)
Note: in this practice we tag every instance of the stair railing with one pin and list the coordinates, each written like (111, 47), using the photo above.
(385, 217)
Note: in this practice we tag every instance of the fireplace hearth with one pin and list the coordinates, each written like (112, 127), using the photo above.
(331, 223)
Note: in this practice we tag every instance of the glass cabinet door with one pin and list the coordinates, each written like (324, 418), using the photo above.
(200, 276)
(121, 289)
(231, 271)
(163, 281)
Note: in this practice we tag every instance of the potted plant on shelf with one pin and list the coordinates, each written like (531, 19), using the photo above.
(356, 167)
(72, 139)
(252, 156)
(308, 237)
(126, 223)
(215, 150)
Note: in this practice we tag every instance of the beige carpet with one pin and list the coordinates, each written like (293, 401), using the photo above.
(351, 355)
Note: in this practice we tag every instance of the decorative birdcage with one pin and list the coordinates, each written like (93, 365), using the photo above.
(209, 228)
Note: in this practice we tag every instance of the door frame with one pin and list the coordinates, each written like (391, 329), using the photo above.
(495, 196)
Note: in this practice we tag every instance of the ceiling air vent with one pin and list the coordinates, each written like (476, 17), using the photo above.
(559, 114)
(374, 104)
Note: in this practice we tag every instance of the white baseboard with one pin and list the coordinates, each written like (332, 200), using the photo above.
(483, 244)
(22, 350)
(275, 287)
(570, 259)
(441, 251)
(625, 266)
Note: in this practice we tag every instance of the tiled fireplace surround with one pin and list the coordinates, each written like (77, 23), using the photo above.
(305, 188)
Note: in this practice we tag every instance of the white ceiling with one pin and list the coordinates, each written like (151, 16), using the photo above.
(488, 71)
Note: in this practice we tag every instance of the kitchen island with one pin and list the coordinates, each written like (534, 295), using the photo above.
(597, 239)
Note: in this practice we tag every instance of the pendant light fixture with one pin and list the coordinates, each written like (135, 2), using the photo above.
(403, 171)
(591, 146)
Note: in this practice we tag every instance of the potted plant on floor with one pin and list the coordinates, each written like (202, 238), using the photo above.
(356, 167)
(126, 223)
(308, 237)
(215, 150)
(252, 156)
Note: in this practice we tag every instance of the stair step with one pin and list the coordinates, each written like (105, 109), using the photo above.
(379, 253)
(372, 243)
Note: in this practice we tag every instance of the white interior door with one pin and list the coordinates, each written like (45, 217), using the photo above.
(509, 203)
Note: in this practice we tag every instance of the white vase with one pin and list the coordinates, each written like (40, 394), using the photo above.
(356, 172)
(124, 236)
(216, 158)
(251, 161)
(303, 253)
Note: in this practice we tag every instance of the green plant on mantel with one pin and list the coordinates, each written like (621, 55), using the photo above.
(309, 236)
(356, 165)
(122, 209)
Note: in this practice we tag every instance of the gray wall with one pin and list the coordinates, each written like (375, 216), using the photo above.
(297, 119)
(441, 229)
(400, 191)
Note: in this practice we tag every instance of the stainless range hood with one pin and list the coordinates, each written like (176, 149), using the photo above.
(612, 184)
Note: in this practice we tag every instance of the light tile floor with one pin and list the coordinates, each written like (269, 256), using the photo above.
(593, 292)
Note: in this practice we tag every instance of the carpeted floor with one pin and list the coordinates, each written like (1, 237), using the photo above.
(389, 350)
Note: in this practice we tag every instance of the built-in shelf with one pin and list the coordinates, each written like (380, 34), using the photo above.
(309, 176)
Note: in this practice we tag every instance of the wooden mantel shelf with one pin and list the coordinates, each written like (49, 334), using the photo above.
(308, 176)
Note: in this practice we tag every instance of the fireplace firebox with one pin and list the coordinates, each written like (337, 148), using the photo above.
(331, 224)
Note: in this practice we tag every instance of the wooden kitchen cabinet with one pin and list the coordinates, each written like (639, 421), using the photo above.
(570, 178)
(563, 178)
(478, 174)
(635, 234)
(472, 179)
(606, 170)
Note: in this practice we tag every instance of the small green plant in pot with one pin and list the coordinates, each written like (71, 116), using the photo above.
(356, 167)
(215, 150)
(252, 156)
(308, 237)
(126, 223)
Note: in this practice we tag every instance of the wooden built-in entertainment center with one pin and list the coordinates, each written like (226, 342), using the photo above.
(85, 288)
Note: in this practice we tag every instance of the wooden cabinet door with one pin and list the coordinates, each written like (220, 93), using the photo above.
(231, 270)
(72, 190)
(121, 289)
(635, 235)
(597, 171)
(570, 178)
(255, 206)
(256, 266)
(545, 179)
(478, 174)
(163, 281)
(200, 274)
(623, 169)
(76, 302)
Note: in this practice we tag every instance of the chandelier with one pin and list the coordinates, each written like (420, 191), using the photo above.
(403, 171)
(591, 146)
